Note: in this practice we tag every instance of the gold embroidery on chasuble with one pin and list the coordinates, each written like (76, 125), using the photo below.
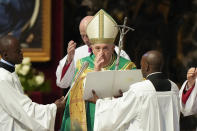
(77, 104)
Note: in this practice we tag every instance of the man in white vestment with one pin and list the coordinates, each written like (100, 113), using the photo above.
(188, 94)
(150, 105)
(17, 111)
(66, 68)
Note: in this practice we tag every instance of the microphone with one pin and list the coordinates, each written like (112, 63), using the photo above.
(83, 67)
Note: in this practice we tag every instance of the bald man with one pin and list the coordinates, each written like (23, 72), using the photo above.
(66, 68)
(150, 105)
(17, 111)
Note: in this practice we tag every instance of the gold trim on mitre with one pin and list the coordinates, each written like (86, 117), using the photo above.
(102, 40)
(102, 28)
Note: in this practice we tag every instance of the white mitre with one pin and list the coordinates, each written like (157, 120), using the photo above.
(102, 29)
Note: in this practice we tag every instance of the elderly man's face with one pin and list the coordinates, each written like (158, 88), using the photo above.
(84, 37)
(103, 50)
(83, 34)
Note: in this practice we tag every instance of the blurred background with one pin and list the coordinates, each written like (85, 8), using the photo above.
(166, 25)
(169, 26)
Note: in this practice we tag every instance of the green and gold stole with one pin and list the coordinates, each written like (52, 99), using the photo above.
(75, 110)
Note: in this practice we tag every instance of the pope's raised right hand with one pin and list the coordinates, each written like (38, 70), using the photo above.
(99, 61)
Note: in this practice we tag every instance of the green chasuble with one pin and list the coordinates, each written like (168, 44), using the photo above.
(79, 114)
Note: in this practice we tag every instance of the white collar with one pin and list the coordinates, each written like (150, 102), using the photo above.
(152, 74)
(8, 63)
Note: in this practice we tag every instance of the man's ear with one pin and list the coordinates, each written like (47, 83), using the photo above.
(147, 67)
(4, 54)
(113, 47)
(92, 47)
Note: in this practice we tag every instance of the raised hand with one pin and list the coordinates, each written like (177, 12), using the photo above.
(99, 61)
(60, 103)
(191, 76)
(120, 94)
(94, 98)
(70, 51)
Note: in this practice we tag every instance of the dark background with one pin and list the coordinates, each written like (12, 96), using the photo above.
(165, 25)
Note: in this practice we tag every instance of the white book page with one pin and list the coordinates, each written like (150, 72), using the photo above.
(108, 83)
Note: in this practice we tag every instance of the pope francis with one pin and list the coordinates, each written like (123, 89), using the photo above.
(101, 31)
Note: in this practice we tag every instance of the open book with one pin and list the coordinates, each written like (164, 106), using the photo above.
(108, 83)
